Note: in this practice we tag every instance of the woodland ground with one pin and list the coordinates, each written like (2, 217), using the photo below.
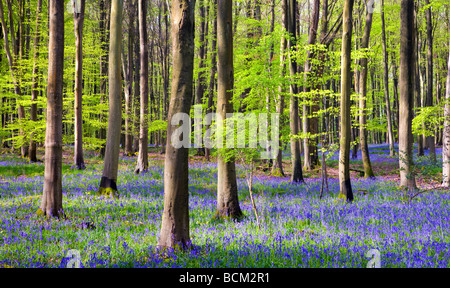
(297, 228)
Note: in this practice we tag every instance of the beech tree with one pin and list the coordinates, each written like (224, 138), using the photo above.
(446, 140)
(108, 185)
(78, 19)
(386, 83)
(227, 194)
(51, 204)
(142, 161)
(406, 94)
(297, 173)
(175, 220)
(368, 172)
(212, 77)
(278, 164)
(34, 88)
(311, 125)
(430, 140)
(346, 83)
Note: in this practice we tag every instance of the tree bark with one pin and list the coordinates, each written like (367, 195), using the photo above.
(78, 19)
(346, 83)
(280, 107)
(175, 221)
(429, 100)
(446, 141)
(104, 9)
(108, 185)
(212, 76)
(297, 173)
(34, 89)
(142, 161)
(51, 204)
(201, 79)
(137, 93)
(227, 194)
(310, 121)
(386, 84)
(406, 95)
(129, 78)
(418, 90)
(396, 96)
(368, 172)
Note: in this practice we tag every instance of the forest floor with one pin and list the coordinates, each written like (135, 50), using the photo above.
(298, 228)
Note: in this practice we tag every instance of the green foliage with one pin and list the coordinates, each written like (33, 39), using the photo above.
(427, 117)
(157, 125)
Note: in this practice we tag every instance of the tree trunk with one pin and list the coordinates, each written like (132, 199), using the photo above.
(368, 172)
(386, 85)
(227, 194)
(175, 221)
(137, 93)
(129, 78)
(51, 204)
(78, 19)
(395, 86)
(297, 173)
(346, 83)
(108, 185)
(34, 89)
(429, 100)
(280, 107)
(406, 95)
(201, 79)
(212, 77)
(446, 141)
(310, 122)
(417, 98)
(142, 161)
(104, 9)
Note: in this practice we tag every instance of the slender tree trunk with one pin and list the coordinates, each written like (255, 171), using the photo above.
(386, 85)
(396, 96)
(137, 93)
(129, 78)
(417, 98)
(104, 8)
(227, 194)
(78, 23)
(406, 96)
(142, 162)
(201, 79)
(446, 141)
(175, 222)
(280, 107)
(108, 185)
(34, 88)
(310, 122)
(297, 173)
(368, 172)
(346, 83)
(51, 204)
(429, 100)
(212, 76)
